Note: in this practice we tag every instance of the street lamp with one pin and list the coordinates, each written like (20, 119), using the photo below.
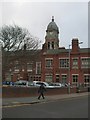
(69, 72)
(69, 68)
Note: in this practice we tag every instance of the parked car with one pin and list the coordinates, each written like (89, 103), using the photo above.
(21, 83)
(64, 84)
(7, 83)
(38, 83)
(56, 85)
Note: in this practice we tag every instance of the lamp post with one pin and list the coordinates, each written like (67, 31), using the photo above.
(69, 72)
(70, 69)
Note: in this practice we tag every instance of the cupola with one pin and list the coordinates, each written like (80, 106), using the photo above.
(51, 38)
(52, 26)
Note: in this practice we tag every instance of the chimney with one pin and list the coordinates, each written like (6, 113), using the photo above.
(75, 45)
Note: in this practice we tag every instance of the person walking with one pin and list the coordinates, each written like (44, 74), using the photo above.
(41, 91)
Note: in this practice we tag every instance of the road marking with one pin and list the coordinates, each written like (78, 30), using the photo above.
(19, 104)
(9, 106)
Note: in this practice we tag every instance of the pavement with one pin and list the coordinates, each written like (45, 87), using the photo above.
(32, 100)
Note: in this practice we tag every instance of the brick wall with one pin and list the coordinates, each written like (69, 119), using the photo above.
(8, 92)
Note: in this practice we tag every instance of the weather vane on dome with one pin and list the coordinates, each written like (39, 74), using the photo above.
(52, 18)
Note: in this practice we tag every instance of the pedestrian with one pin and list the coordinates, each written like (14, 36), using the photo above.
(41, 91)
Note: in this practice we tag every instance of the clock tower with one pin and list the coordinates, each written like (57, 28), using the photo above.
(51, 38)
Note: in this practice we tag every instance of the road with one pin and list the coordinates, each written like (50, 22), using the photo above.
(67, 108)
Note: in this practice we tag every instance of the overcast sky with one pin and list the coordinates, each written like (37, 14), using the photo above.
(70, 17)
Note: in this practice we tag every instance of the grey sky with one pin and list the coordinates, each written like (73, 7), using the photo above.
(70, 17)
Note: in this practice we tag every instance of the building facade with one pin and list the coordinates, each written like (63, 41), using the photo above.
(52, 63)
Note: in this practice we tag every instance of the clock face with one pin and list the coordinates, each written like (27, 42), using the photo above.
(51, 33)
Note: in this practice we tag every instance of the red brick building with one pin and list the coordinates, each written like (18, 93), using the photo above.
(52, 63)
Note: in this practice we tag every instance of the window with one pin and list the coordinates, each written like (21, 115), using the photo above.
(38, 67)
(75, 63)
(52, 45)
(17, 66)
(85, 63)
(57, 78)
(48, 45)
(8, 77)
(48, 63)
(75, 79)
(48, 78)
(64, 63)
(23, 66)
(87, 79)
(29, 67)
(64, 78)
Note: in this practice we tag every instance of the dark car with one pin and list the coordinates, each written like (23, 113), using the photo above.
(7, 83)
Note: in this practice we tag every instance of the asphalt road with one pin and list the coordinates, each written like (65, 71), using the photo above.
(67, 108)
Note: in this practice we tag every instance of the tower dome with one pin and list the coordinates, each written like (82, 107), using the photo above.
(52, 26)
(52, 33)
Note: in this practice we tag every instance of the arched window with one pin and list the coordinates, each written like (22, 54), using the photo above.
(48, 45)
(52, 45)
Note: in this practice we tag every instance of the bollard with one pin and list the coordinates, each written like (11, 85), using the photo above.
(78, 89)
(68, 89)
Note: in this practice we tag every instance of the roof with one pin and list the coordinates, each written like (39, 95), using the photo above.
(85, 50)
(60, 51)
(51, 51)
(20, 53)
(52, 26)
(57, 51)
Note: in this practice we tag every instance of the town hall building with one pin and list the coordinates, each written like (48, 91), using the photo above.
(52, 63)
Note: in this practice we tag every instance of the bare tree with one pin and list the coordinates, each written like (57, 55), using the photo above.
(14, 38)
